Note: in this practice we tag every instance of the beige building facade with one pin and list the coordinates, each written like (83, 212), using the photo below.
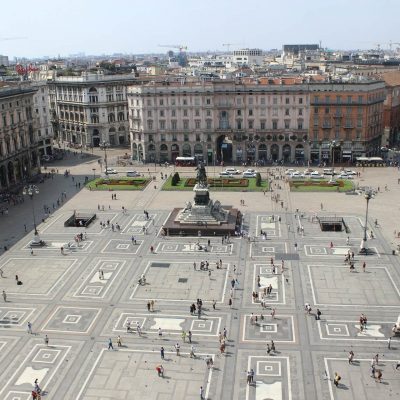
(19, 153)
(220, 121)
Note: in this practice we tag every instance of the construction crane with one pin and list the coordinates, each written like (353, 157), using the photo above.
(228, 45)
(181, 47)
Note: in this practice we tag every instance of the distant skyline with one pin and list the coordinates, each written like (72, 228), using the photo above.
(96, 27)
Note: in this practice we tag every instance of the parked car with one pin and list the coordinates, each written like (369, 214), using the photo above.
(350, 172)
(247, 174)
(289, 171)
(109, 171)
(342, 176)
(233, 171)
(316, 175)
(251, 171)
(133, 173)
(297, 175)
(225, 174)
(328, 171)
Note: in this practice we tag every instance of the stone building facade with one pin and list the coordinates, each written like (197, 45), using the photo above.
(220, 121)
(19, 153)
(90, 109)
(262, 120)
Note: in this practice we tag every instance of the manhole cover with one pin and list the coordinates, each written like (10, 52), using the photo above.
(160, 265)
(182, 280)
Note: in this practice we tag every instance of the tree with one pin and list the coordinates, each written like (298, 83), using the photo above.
(175, 179)
(258, 179)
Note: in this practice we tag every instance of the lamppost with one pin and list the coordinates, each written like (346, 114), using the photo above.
(105, 144)
(363, 246)
(94, 173)
(333, 145)
(31, 190)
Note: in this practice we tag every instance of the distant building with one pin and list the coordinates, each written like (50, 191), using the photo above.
(19, 153)
(91, 109)
(4, 61)
(296, 49)
(248, 57)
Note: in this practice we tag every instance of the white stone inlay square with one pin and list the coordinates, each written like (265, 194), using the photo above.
(122, 246)
(72, 319)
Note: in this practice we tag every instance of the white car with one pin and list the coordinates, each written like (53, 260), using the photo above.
(316, 175)
(225, 174)
(248, 174)
(132, 174)
(350, 172)
(233, 171)
(289, 171)
(342, 176)
(297, 175)
(250, 171)
(109, 171)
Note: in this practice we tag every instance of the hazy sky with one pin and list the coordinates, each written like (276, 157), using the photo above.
(131, 26)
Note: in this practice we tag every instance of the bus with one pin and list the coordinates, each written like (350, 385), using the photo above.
(185, 161)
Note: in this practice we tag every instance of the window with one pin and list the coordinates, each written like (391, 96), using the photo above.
(197, 113)
(250, 124)
(185, 113)
(287, 124)
(359, 122)
(274, 100)
(338, 99)
(196, 101)
(208, 113)
(326, 110)
(360, 99)
(185, 124)
(250, 100)
(275, 111)
(262, 101)
(299, 124)
(208, 137)
(239, 112)
(239, 124)
(300, 111)
(174, 138)
(287, 100)
(316, 121)
(358, 134)
(316, 99)
(173, 102)
(300, 100)
(150, 124)
(287, 111)
(173, 125)
(262, 125)
(161, 102)
(208, 101)
(186, 137)
(162, 137)
(274, 125)
(337, 134)
(151, 138)
(173, 113)
(197, 124)
(184, 102)
(197, 137)
(327, 99)
(161, 113)
(162, 124)
(349, 99)
(250, 112)
(315, 110)
(315, 134)
(238, 101)
(208, 124)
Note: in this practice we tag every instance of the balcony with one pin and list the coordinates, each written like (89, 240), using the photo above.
(326, 125)
(348, 126)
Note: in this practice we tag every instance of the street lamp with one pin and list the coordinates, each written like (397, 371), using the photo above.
(105, 144)
(363, 246)
(333, 145)
(94, 173)
(31, 190)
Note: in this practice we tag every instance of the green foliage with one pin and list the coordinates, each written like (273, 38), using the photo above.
(258, 179)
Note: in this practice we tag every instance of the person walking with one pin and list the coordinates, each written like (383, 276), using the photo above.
(363, 266)
(29, 328)
(178, 349)
(184, 336)
(110, 344)
(273, 346)
(4, 296)
(190, 336)
(201, 393)
(162, 353)
(389, 342)
(336, 379)
(192, 355)
(46, 340)
(351, 357)
(119, 342)
(214, 304)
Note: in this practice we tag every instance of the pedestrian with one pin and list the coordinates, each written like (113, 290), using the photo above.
(194, 265)
(229, 302)
(376, 358)
(273, 313)
(389, 342)
(119, 342)
(178, 349)
(273, 346)
(318, 314)
(336, 379)
(248, 377)
(252, 375)
(214, 304)
(363, 266)
(4, 296)
(201, 393)
(160, 370)
(268, 349)
(110, 344)
(379, 376)
(148, 306)
(46, 340)
(192, 355)
(159, 333)
(29, 328)
(162, 352)
(138, 328)
(351, 357)
(184, 336)
(190, 336)
(152, 305)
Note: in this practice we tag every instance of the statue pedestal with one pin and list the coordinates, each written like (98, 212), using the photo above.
(201, 195)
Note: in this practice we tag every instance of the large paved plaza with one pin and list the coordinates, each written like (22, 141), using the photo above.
(84, 297)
